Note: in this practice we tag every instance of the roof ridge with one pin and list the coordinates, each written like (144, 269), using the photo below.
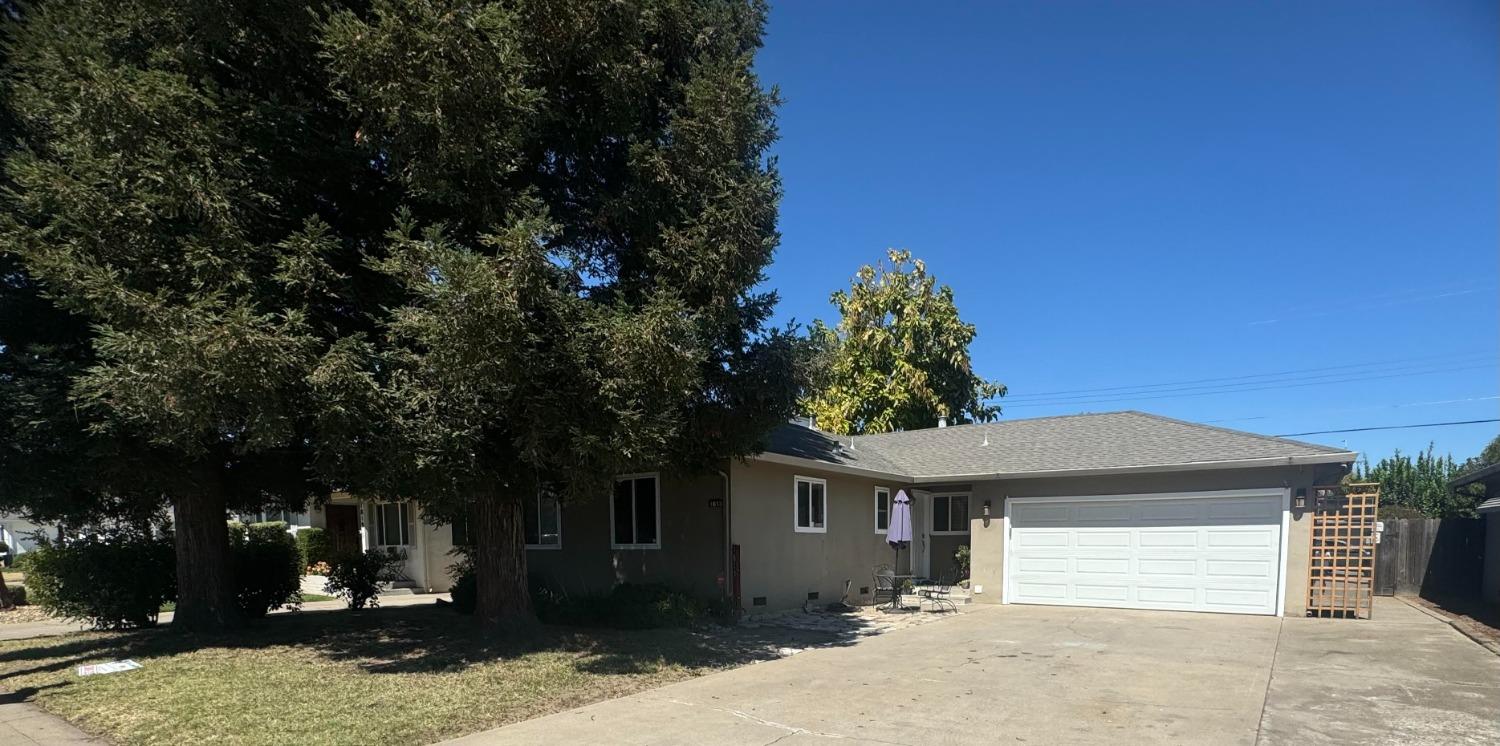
(1232, 431)
(992, 423)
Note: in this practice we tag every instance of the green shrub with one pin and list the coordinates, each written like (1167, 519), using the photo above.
(18, 595)
(111, 578)
(464, 591)
(356, 577)
(961, 558)
(628, 606)
(314, 545)
(267, 568)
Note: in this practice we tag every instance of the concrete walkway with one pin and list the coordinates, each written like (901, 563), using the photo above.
(28, 630)
(1050, 674)
(24, 724)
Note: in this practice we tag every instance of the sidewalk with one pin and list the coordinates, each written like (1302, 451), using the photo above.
(31, 630)
(24, 724)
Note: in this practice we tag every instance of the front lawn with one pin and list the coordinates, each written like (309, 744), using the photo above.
(405, 675)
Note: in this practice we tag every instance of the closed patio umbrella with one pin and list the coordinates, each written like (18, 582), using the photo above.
(898, 534)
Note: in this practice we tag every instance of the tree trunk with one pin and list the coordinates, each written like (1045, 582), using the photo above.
(5, 602)
(503, 598)
(205, 582)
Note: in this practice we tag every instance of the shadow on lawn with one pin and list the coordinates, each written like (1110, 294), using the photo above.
(430, 639)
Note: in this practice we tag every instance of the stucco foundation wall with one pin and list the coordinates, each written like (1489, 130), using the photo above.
(1490, 584)
(783, 565)
(988, 545)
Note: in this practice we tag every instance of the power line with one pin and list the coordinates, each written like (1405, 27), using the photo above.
(1431, 359)
(1405, 405)
(1282, 385)
(1390, 427)
(1343, 375)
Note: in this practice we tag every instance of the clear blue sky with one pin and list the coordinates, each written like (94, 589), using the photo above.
(1143, 193)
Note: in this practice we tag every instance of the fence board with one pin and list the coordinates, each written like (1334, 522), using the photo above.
(1430, 556)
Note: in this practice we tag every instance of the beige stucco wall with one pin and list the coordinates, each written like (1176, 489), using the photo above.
(690, 559)
(782, 565)
(988, 545)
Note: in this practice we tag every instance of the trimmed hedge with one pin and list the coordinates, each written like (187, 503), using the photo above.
(315, 546)
(111, 578)
(267, 567)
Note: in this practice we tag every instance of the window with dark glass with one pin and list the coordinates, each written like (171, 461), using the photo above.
(391, 524)
(882, 509)
(950, 513)
(812, 504)
(543, 522)
(634, 509)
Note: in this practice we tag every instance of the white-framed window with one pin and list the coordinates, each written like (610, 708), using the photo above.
(543, 522)
(392, 524)
(950, 514)
(291, 519)
(635, 512)
(810, 505)
(882, 509)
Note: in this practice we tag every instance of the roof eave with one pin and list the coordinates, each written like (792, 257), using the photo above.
(812, 463)
(1305, 460)
(1478, 475)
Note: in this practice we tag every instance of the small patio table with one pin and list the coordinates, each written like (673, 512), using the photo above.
(899, 582)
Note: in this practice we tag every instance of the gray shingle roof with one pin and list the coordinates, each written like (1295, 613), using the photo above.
(1486, 474)
(1113, 440)
(1491, 505)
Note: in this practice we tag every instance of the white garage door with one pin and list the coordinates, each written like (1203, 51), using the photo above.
(1205, 552)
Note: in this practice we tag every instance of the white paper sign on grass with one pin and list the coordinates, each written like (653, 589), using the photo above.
(110, 667)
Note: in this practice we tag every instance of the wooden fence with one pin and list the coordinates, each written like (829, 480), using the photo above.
(1430, 557)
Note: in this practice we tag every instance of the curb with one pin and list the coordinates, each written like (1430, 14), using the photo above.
(1485, 643)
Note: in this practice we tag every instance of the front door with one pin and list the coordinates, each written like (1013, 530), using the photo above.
(343, 528)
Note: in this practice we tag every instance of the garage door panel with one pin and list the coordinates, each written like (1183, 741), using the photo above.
(1256, 569)
(1051, 591)
(1027, 565)
(1084, 566)
(1041, 514)
(1261, 538)
(1190, 553)
(1261, 510)
(1167, 538)
(1181, 567)
(1101, 593)
(1106, 513)
(1159, 594)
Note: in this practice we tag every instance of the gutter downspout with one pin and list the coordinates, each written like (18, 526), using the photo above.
(727, 588)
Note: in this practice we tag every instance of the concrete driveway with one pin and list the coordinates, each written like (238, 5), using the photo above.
(1047, 674)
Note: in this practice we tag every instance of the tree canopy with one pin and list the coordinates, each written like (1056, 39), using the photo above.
(898, 358)
(181, 217)
(456, 252)
(1420, 483)
(587, 207)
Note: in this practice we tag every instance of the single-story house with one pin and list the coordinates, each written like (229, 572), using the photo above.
(1121, 509)
(19, 534)
(1489, 510)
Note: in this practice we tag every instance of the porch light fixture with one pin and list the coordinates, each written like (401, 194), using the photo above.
(985, 513)
(1300, 501)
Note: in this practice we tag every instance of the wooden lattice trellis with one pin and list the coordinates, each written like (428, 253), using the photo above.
(1341, 573)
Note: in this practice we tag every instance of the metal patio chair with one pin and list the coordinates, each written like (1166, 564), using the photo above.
(939, 594)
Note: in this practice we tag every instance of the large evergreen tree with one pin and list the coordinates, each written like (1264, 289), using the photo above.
(587, 208)
(899, 357)
(182, 214)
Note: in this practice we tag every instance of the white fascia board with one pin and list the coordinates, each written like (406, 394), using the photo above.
(810, 463)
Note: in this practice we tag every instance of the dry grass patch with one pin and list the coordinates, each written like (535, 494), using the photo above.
(400, 675)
